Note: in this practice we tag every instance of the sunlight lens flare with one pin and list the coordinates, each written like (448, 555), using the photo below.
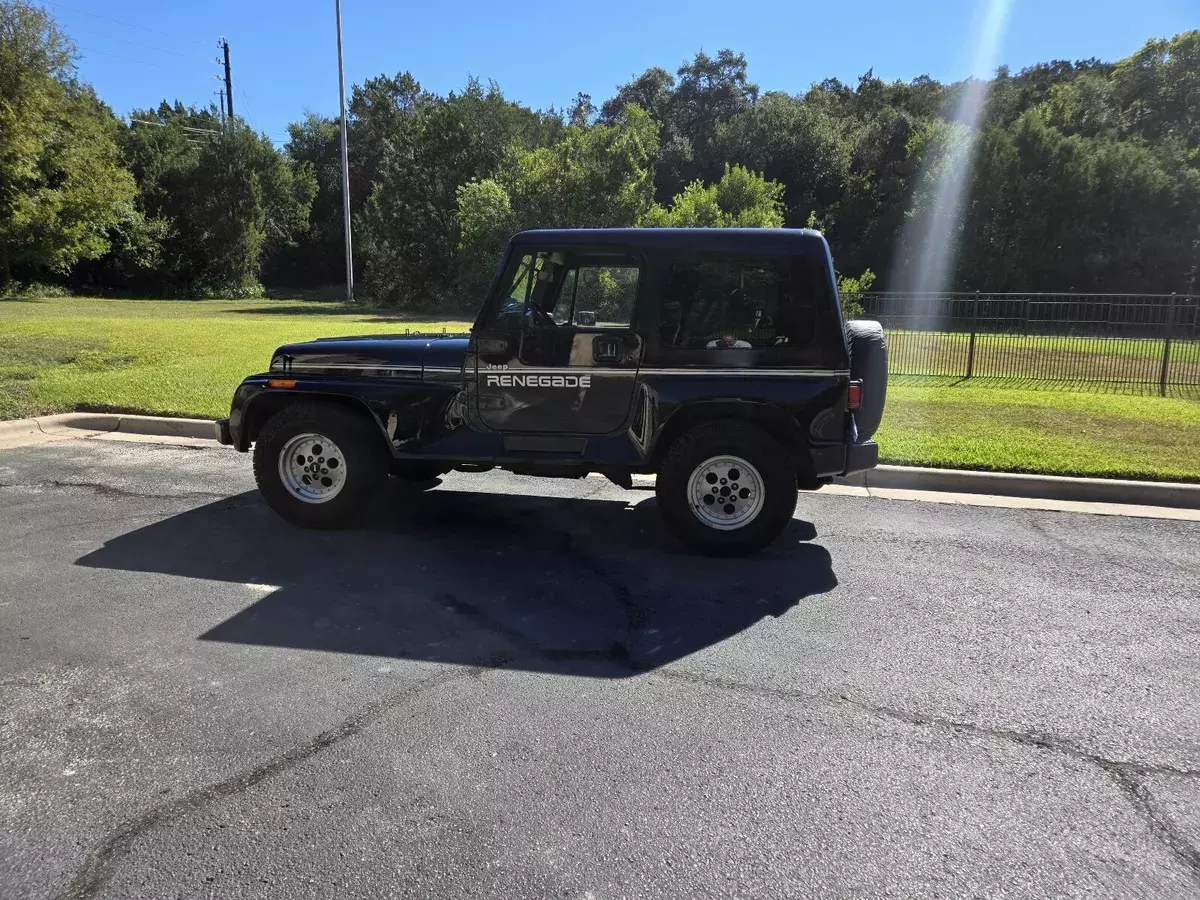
(932, 234)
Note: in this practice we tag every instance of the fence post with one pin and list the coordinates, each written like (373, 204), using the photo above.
(1166, 358)
(974, 328)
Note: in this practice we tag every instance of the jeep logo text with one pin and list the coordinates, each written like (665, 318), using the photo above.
(550, 381)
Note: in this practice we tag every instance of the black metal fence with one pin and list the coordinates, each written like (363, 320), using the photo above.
(1149, 339)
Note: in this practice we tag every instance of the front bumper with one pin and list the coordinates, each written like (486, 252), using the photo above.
(224, 435)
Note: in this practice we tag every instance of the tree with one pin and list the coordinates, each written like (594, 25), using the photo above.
(409, 227)
(1085, 106)
(1067, 213)
(596, 176)
(795, 143)
(63, 189)
(485, 221)
(242, 200)
(711, 90)
(1158, 89)
(1085, 175)
(591, 177)
(318, 256)
(160, 147)
(382, 113)
(226, 197)
(583, 111)
(651, 91)
(741, 199)
(864, 224)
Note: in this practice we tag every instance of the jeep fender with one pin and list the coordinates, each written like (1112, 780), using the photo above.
(775, 421)
(261, 405)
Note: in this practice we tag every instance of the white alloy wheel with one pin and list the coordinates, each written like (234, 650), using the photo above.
(726, 492)
(312, 468)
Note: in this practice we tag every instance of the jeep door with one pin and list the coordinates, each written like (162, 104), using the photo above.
(556, 349)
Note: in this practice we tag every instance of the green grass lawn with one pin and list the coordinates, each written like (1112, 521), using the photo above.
(185, 358)
(1055, 429)
(164, 357)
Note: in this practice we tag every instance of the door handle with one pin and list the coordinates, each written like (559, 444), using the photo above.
(606, 349)
(493, 346)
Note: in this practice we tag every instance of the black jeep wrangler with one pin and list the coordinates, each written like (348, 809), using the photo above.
(716, 359)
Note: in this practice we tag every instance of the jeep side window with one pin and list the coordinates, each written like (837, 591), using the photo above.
(599, 296)
(717, 305)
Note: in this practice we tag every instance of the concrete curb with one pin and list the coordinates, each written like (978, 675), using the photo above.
(1002, 484)
(100, 423)
(1040, 487)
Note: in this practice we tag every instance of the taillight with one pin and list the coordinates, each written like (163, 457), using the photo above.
(854, 395)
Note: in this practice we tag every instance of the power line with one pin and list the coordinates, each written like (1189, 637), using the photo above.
(113, 37)
(249, 112)
(119, 56)
(168, 125)
(126, 24)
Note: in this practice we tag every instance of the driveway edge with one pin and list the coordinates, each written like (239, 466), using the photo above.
(1039, 487)
(101, 423)
(1002, 484)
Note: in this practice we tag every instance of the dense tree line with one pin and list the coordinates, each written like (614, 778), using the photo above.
(1085, 176)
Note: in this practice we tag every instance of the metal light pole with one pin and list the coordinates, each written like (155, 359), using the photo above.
(345, 160)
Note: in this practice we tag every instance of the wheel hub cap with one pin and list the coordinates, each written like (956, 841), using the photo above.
(312, 468)
(726, 492)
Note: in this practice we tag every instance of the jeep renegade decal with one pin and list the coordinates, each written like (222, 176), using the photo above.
(550, 381)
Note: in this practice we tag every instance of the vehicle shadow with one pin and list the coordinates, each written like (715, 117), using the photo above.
(565, 585)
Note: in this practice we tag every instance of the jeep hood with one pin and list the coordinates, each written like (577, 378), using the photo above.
(376, 355)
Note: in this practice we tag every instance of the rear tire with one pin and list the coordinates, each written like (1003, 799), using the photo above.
(727, 488)
(349, 455)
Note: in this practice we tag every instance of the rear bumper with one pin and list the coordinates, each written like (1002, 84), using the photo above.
(832, 460)
(224, 435)
(860, 457)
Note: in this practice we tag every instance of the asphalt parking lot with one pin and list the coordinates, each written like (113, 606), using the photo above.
(513, 688)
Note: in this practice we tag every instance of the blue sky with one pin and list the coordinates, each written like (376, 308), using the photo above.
(285, 59)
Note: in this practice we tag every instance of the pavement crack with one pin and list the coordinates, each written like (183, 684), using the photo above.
(1128, 775)
(616, 653)
(1165, 831)
(100, 865)
(165, 442)
(635, 615)
(108, 490)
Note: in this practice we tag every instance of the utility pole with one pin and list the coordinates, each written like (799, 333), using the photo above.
(221, 104)
(345, 157)
(228, 82)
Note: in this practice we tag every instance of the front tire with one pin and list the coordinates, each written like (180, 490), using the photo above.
(727, 488)
(318, 465)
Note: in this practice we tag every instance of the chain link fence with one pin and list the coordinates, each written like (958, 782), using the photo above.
(1139, 338)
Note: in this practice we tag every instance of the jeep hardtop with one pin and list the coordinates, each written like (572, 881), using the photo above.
(714, 359)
